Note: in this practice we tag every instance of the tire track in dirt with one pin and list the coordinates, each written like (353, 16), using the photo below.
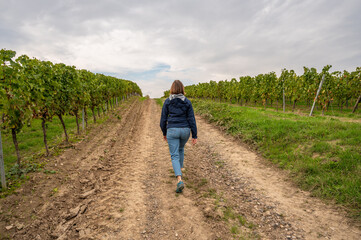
(93, 177)
(77, 175)
(118, 207)
(169, 215)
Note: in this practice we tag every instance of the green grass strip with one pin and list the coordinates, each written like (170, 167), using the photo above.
(322, 154)
(159, 101)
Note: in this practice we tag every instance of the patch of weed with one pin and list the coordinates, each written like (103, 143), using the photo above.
(54, 191)
(234, 229)
(159, 101)
(228, 214)
(241, 220)
(49, 171)
(202, 182)
(219, 163)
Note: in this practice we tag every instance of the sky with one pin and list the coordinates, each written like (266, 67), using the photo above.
(154, 42)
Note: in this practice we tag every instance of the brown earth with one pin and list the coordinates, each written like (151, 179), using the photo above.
(118, 183)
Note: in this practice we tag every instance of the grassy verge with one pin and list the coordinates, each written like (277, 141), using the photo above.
(144, 98)
(322, 154)
(32, 147)
(159, 101)
(304, 109)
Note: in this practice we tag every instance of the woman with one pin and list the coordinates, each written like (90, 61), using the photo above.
(177, 121)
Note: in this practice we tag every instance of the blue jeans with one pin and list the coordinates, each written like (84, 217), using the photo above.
(177, 138)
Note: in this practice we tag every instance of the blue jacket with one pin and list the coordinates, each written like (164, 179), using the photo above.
(177, 113)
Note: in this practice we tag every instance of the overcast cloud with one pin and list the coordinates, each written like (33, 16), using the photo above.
(155, 42)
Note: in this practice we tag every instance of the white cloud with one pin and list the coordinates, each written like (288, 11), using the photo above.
(198, 40)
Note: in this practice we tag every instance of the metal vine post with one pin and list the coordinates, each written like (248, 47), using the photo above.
(318, 92)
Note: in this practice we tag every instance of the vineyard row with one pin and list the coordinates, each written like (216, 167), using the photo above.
(33, 89)
(341, 88)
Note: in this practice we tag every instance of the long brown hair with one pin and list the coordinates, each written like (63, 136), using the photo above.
(177, 87)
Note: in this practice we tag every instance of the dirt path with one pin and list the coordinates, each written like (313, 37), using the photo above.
(118, 184)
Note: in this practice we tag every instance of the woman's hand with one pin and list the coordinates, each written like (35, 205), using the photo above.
(194, 141)
(165, 138)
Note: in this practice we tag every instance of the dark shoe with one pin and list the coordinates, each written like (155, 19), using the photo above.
(180, 187)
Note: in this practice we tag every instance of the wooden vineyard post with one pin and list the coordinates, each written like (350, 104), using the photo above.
(356, 104)
(2, 166)
(284, 98)
(83, 116)
(318, 92)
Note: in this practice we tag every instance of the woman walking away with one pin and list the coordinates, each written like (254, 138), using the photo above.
(177, 121)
